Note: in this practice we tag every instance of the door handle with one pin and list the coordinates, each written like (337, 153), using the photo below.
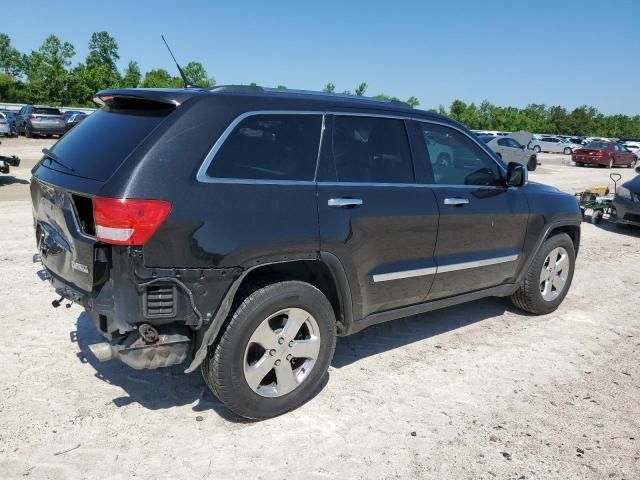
(344, 202)
(456, 201)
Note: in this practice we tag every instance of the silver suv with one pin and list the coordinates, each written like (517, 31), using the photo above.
(32, 121)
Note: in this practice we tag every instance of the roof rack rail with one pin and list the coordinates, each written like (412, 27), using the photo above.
(346, 96)
(237, 89)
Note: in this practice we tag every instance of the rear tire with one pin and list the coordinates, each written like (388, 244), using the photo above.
(537, 149)
(529, 296)
(228, 368)
(610, 164)
(579, 164)
(533, 164)
(27, 132)
(567, 151)
(596, 217)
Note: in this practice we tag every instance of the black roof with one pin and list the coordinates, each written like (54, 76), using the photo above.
(176, 96)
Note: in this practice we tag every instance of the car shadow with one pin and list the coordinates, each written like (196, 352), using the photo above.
(152, 389)
(388, 336)
(10, 180)
(628, 230)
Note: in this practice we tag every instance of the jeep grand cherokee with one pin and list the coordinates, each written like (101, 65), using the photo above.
(242, 229)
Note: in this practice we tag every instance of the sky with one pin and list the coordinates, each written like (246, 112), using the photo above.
(512, 53)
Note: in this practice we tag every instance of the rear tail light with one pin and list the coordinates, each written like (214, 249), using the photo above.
(33, 116)
(127, 221)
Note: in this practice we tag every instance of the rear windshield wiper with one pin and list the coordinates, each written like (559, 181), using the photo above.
(54, 158)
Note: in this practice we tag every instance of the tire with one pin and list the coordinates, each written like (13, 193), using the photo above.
(226, 366)
(579, 164)
(567, 151)
(533, 164)
(27, 132)
(529, 296)
(610, 164)
(596, 217)
(537, 149)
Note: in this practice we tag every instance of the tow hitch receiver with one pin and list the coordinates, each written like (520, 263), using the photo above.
(147, 348)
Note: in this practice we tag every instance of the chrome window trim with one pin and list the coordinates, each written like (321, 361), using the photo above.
(202, 176)
(418, 272)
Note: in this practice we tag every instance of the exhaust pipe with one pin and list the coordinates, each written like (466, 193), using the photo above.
(102, 351)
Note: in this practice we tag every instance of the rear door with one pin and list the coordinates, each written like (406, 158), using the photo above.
(482, 224)
(375, 216)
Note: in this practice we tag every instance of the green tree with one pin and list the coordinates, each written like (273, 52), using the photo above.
(101, 70)
(197, 75)
(160, 78)
(413, 102)
(132, 76)
(329, 88)
(361, 89)
(11, 61)
(282, 87)
(46, 71)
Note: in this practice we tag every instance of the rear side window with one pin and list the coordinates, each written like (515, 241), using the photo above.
(270, 147)
(102, 142)
(46, 111)
(371, 150)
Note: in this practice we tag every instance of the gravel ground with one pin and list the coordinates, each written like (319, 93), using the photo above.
(473, 391)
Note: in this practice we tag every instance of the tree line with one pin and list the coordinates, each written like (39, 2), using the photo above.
(47, 76)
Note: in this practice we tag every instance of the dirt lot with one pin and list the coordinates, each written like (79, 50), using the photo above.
(474, 391)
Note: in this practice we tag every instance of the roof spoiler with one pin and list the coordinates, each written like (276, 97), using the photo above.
(165, 96)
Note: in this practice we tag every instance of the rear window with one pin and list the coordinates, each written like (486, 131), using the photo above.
(46, 111)
(270, 147)
(102, 142)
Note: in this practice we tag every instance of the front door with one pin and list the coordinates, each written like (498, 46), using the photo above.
(482, 224)
(374, 217)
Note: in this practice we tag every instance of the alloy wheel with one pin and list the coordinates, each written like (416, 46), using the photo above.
(281, 352)
(554, 274)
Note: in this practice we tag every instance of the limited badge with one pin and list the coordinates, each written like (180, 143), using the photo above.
(79, 266)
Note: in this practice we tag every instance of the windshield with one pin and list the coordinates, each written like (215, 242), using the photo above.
(47, 111)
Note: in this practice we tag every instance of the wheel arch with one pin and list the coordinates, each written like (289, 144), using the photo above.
(324, 272)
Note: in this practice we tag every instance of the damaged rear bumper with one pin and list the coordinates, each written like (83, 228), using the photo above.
(150, 317)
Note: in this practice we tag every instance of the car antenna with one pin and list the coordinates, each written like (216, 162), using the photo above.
(187, 84)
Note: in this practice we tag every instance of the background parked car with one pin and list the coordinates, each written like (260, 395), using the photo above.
(11, 120)
(554, 145)
(74, 118)
(609, 154)
(4, 125)
(510, 150)
(34, 120)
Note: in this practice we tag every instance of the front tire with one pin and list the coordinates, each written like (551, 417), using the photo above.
(548, 276)
(610, 164)
(567, 151)
(537, 149)
(274, 351)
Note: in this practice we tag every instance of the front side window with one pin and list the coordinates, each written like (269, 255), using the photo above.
(371, 150)
(270, 147)
(456, 160)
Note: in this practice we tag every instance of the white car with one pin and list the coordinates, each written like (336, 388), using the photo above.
(553, 145)
(633, 146)
(4, 125)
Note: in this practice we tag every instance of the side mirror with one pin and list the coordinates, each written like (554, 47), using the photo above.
(516, 174)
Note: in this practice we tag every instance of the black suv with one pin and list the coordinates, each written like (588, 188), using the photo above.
(243, 229)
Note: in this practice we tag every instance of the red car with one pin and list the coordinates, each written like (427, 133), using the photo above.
(604, 153)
